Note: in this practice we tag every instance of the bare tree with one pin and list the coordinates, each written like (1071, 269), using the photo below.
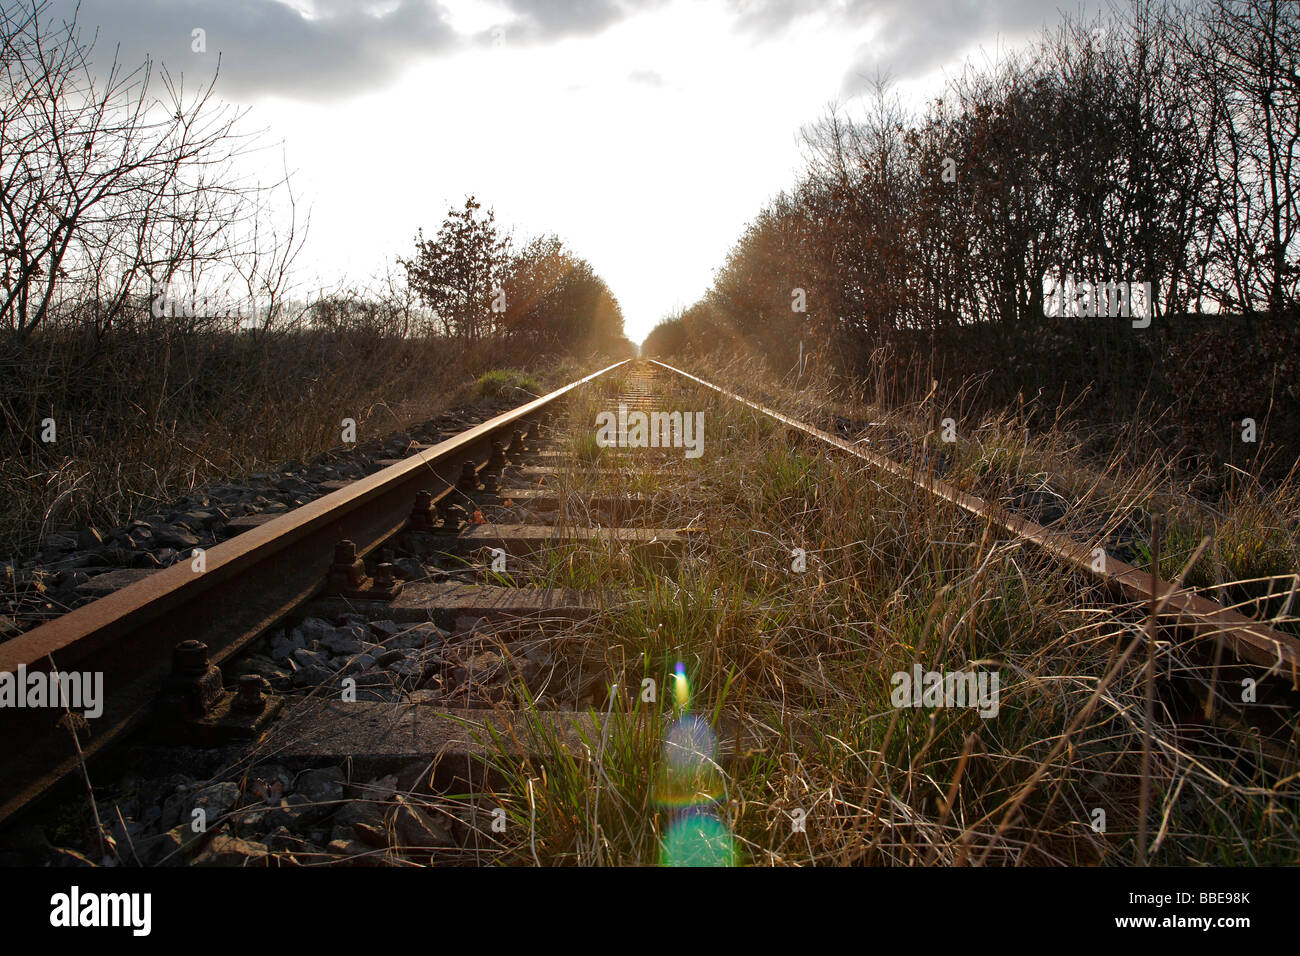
(110, 188)
(1248, 54)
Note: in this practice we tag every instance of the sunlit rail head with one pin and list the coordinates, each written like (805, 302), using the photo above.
(689, 784)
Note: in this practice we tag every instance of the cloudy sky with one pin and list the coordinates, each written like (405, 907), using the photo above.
(645, 133)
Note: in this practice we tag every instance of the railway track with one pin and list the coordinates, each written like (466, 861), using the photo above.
(313, 688)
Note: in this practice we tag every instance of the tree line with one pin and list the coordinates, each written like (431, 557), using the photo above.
(1158, 143)
(477, 284)
(124, 211)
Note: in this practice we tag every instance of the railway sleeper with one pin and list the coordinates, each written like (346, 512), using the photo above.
(521, 540)
(445, 603)
(454, 746)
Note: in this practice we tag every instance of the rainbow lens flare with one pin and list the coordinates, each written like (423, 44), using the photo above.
(682, 689)
(698, 838)
(688, 775)
(689, 784)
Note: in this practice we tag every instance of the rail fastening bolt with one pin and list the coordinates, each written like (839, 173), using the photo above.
(249, 699)
(190, 658)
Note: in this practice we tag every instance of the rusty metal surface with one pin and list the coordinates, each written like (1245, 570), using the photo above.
(1247, 638)
(249, 583)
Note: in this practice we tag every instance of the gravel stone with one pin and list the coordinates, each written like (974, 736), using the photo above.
(353, 665)
(282, 841)
(295, 812)
(313, 630)
(216, 799)
(309, 658)
(172, 537)
(311, 675)
(417, 636)
(56, 543)
(345, 640)
(320, 786)
(225, 850)
(195, 520)
(283, 645)
(416, 828)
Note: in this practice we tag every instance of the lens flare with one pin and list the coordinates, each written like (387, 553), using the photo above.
(698, 838)
(689, 785)
(689, 775)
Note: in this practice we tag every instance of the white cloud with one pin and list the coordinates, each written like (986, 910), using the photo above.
(645, 133)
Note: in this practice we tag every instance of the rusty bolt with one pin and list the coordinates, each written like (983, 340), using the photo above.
(468, 477)
(249, 700)
(384, 574)
(189, 658)
(347, 571)
(422, 511)
(194, 684)
(498, 458)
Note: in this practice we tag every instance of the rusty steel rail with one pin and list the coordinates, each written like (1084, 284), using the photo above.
(1247, 638)
(250, 582)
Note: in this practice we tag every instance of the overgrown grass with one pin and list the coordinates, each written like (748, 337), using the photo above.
(508, 383)
(816, 580)
(141, 421)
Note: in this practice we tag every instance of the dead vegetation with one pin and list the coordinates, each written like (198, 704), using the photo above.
(793, 672)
